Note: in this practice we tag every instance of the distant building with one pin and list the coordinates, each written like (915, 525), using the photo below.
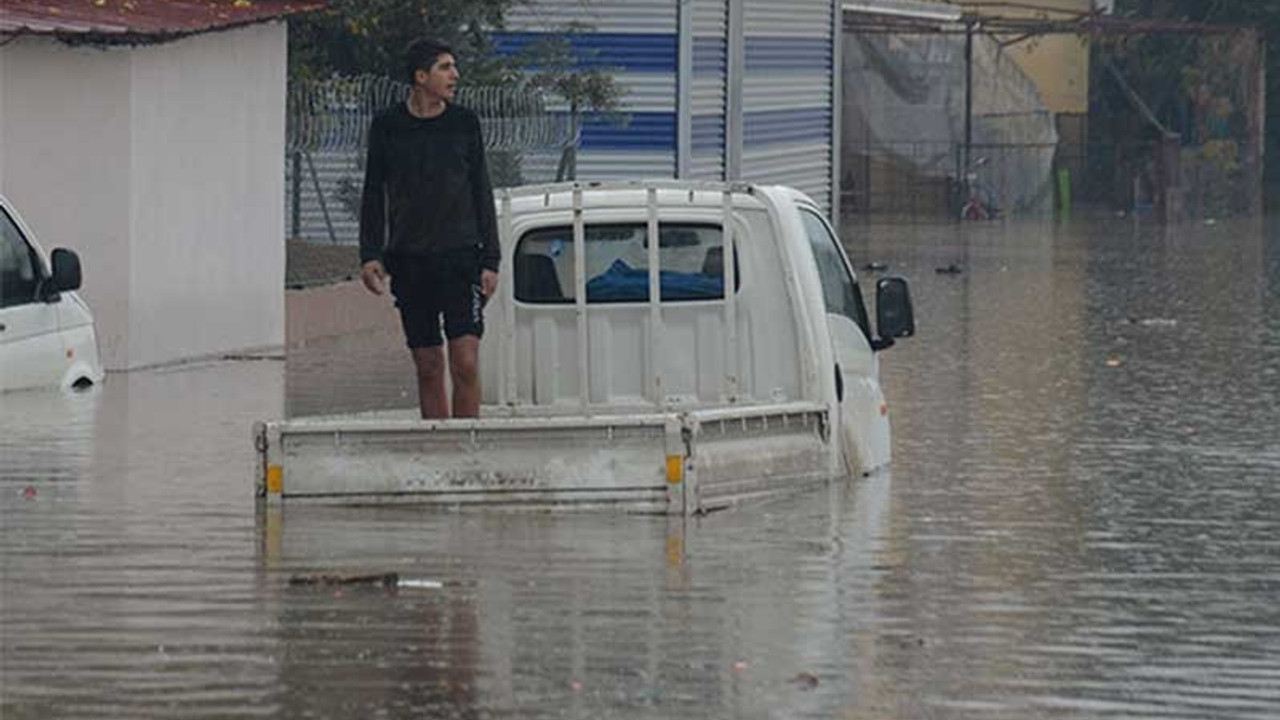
(1058, 64)
(717, 89)
(147, 136)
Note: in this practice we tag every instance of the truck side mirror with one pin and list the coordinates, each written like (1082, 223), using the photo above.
(66, 270)
(894, 315)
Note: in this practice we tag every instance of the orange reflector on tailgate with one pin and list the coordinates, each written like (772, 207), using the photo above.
(675, 469)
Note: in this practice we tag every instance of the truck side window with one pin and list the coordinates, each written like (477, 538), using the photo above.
(18, 276)
(617, 264)
(839, 288)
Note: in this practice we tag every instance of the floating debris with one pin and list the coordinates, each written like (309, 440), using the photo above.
(952, 269)
(384, 579)
(805, 680)
(1114, 362)
(420, 584)
(1151, 322)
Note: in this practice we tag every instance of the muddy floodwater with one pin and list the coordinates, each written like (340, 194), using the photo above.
(1082, 521)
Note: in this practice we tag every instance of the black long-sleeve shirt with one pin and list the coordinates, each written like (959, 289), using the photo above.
(426, 181)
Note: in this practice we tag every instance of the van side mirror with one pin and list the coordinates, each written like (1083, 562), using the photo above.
(66, 270)
(894, 315)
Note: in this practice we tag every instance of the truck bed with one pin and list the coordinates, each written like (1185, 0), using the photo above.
(670, 462)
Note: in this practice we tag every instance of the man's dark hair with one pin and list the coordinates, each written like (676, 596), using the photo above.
(422, 54)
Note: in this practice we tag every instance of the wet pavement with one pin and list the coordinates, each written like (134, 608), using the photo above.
(1083, 521)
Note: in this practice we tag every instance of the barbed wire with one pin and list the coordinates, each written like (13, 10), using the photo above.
(333, 115)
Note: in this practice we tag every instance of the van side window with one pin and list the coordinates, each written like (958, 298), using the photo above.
(690, 261)
(839, 287)
(18, 276)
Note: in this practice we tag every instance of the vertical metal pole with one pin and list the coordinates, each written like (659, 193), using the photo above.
(655, 301)
(730, 300)
(324, 207)
(1258, 124)
(837, 106)
(684, 92)
(580, 297)
(734, 75)
(966, 156)
(507, 389)
(296, 224)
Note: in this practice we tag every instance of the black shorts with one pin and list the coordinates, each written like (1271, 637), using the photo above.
(441, 284)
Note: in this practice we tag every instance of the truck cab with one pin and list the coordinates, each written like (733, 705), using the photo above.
(610, 321)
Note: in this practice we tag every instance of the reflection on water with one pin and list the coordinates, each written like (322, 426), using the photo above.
(1083, 521)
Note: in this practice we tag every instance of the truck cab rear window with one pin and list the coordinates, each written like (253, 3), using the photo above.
(690, 264)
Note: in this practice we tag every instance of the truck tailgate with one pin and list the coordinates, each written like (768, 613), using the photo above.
(664, 462)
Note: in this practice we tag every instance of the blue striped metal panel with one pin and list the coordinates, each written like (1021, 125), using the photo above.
(791, 18)
(709, 95)
(804, 166)
(807, 54)
(763, 92)
(620, 52)
(708, 133)
(643, 92)
(635, 41)
(810, 125)
(602, 165)
(605, 16)
(710, 17)
(788, 109)
(710, 56)
(707, 166)
(642, 131)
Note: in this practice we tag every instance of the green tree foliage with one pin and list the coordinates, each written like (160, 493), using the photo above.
(557, 68)
(1208, 76)
(354, 37)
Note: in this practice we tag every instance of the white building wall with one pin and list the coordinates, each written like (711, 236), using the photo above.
(207, 138)
(160, 166)
(66, 156)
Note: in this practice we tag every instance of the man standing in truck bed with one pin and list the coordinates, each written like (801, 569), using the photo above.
(427, 183)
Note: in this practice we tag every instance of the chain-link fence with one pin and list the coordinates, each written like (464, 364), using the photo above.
(327, 129)
(922, 134)
(333, 115)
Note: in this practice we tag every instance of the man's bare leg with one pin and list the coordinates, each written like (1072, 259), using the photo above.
(464, 370)
(432, 400)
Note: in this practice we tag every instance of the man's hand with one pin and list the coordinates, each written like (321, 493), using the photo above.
(488, 282)
(374, 277)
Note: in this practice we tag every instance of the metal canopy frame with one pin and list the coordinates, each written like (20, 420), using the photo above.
(1016, 29)
(1091, 24)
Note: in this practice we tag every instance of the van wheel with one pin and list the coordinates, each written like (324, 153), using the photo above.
(83, 383)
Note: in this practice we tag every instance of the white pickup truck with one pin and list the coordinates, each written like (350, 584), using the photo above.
(617, 371)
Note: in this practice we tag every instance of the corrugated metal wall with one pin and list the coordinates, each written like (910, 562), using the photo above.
(337, 182)
(637, 41)
(708, 104)
(788, 112)
(718, 88)
(754, 102)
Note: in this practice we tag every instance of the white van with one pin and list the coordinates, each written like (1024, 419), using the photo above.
(47, 337)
